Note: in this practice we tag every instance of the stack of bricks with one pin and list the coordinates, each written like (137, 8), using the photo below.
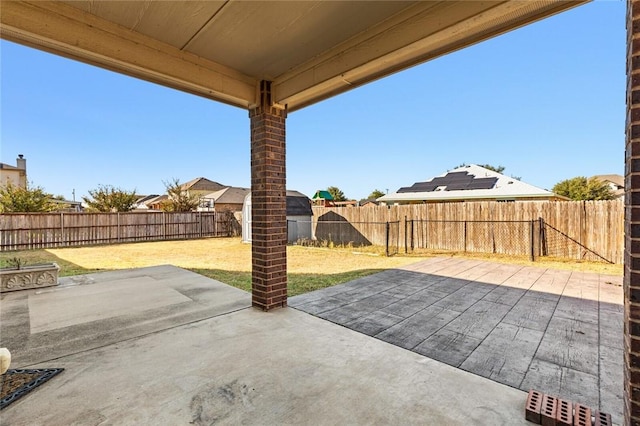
(268, 203)
(549, 410)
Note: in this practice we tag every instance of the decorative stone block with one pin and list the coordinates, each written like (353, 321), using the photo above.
(28, 277)
(5, 360)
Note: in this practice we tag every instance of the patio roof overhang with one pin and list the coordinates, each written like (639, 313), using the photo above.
(221, 50)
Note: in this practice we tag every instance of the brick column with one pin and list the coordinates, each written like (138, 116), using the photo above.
(268, 203)
(632, 221)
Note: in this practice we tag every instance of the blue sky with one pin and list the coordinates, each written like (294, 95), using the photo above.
(546, 101)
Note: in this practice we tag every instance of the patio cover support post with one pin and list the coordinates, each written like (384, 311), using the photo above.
(632, 221)
(268, 203)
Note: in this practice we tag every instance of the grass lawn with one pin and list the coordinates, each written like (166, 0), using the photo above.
(229, 260)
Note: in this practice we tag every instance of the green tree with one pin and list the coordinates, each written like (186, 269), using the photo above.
(14, 199)
(498, 169)
(107, 198)
(376, 193)
(580, 188)
(336, 193)
(179, 200)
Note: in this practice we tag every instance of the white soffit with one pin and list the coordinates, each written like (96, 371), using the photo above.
(310, 50)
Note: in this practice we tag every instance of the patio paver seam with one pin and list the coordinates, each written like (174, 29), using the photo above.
(544, 333)
(503, 317)
(461, 313)
(471, 282)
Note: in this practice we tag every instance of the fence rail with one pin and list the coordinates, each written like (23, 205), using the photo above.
(592, 230)
(21, 231)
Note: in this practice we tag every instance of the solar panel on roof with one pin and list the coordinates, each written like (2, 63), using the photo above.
(457, 186)
(452, 181)
(406, 189)
(483, 183)
(423, 187)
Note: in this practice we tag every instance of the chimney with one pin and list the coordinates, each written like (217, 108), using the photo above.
(21, 162)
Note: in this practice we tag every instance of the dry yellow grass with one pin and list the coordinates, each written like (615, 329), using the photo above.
(222, 253)
(229, 260)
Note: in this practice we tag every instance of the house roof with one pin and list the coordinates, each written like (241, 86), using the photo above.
(156, 200)
(229, 195)
(202, 184)
(617, 180)
(322, 195)
(144, 198)
(5, 166)
(298, 204)
(468, 183)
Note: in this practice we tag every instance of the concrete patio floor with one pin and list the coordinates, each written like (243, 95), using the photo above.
(163, 345)
(559, 332)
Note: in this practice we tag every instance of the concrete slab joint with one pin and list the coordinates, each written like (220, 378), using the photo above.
(268, 209)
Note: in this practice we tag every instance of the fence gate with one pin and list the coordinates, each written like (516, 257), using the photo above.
(556, 243)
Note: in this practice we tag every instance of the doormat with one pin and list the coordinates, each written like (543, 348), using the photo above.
(18, 383)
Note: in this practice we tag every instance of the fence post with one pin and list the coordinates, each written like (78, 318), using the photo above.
(531, 235)
(465, 235)
(412, 242)
(62, 229)
(200, 217)
(405, 235)
(387, 239)
(164, 225)
(118, 227)
(541, 240)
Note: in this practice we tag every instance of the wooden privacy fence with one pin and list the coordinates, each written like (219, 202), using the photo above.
(20, 231)
(592, 230)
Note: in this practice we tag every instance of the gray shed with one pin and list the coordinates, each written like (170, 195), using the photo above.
(299, 215)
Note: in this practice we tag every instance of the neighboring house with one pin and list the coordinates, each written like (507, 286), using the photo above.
(227, 199)
(369, 203)
(68, 206)
(16, 175)
(323, 199)
(347, 203)
(141, 203)
(469, 183)
(202, 186)
(615, 182)
(156, 202)
(299, 217)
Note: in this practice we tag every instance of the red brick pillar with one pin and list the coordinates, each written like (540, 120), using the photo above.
(268, 203)
(632, 221)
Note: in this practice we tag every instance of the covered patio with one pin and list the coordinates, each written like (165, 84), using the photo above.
(273, 58)
(163, 345)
